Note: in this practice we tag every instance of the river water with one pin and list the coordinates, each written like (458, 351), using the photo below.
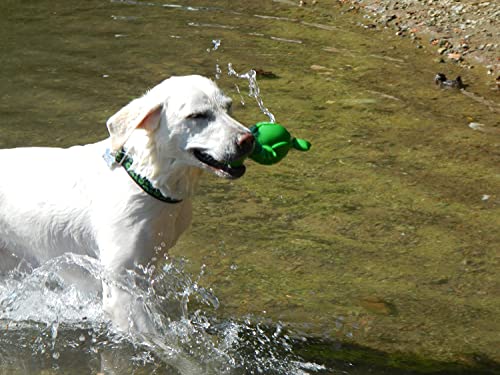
(375, 251)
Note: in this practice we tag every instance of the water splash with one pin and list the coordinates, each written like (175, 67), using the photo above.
(250, 76)
(242, 101)
(218, 71)
(47, 321)
(216, 43)
(253, 89)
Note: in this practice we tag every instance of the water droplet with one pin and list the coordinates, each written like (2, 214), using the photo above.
(218, 71)
(216, 43)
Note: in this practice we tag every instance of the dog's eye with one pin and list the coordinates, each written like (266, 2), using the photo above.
(199, 116)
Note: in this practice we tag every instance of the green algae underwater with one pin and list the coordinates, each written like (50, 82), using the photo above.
(379, 246)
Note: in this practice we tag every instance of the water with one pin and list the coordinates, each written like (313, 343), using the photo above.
(54, 321)
(377, 241)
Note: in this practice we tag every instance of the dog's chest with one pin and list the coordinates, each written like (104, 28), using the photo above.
(165, 228)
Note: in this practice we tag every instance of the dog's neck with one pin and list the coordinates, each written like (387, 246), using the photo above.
(144, 183)
(172, 178)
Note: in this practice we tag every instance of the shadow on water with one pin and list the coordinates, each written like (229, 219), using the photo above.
(384, 236)
(82, 351)
(357, 360)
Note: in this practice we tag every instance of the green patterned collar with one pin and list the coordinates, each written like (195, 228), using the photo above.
(126, 162)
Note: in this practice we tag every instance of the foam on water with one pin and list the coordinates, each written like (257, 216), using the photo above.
(55, 310)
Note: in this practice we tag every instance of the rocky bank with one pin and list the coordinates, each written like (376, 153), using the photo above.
(463, 32)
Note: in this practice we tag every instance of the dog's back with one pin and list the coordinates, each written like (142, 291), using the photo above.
(45, 202)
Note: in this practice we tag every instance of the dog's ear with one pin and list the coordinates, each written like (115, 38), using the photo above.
(133, 116)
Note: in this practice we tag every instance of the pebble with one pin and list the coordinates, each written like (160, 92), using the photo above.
(440, 281)
(455, 56)
(378, 306)
(477, 126)
(320, 68)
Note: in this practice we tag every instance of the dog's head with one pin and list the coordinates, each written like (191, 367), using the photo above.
(183, 121)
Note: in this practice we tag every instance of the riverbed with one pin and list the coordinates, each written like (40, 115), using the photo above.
(380, 242)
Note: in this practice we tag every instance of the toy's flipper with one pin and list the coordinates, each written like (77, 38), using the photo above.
(264, 154)
(301, 144)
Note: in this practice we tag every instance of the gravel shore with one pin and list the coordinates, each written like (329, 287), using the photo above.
(465, 32)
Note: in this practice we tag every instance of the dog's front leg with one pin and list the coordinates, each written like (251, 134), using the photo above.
(122, 301)
(125, 309)
(126, 241)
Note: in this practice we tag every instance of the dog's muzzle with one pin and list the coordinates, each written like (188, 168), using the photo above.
(244, 146)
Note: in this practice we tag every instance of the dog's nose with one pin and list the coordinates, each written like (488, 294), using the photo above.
(246, 143)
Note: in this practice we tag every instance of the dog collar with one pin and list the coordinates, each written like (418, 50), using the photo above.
(126, 162)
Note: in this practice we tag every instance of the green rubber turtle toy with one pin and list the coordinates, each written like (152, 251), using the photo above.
(272, 143)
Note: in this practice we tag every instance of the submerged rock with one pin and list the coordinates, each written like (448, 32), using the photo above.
(378, 306)
(443, 82)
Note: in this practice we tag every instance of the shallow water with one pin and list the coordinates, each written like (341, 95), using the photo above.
(384, 235)
(58, 324)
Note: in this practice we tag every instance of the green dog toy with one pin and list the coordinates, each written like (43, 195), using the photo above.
(272, 143)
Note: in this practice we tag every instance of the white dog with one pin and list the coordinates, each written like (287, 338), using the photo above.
(121, 208)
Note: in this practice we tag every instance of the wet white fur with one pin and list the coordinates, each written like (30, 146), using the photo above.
(54, 200)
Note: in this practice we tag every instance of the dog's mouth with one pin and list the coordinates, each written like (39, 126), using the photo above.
(221, 168)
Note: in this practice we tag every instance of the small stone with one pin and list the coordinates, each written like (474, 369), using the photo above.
(477, 126)
(455, 56)
(440, 281)
(318, 67)
(378, 306)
